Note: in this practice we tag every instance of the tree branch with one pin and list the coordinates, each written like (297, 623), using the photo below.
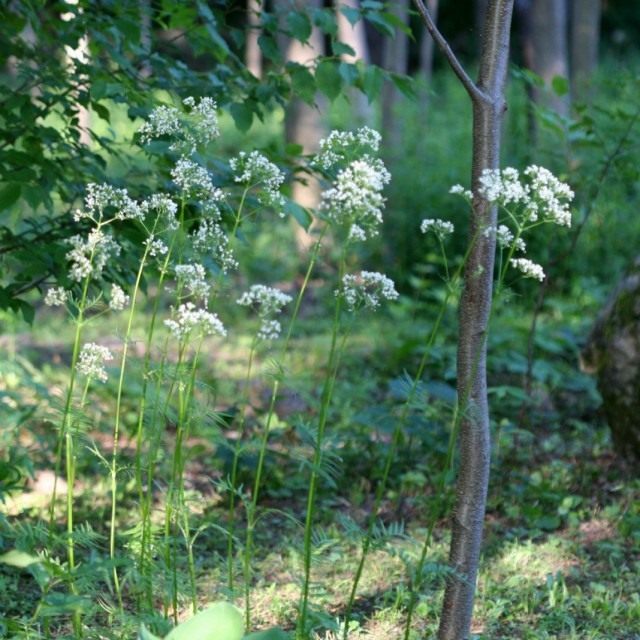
(472, 89)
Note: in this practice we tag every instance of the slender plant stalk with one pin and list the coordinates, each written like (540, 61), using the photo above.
(116, 428)
(275, 389)
(234, 467)
(327, 394)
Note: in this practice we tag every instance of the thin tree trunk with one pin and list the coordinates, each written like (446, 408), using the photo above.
(146, 39)
(355, 36)
(549, 49)
(253, 55)
(488, 102)
(585, 36)
(396, 52)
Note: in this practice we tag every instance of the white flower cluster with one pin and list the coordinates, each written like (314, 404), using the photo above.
(119, 299)
(339, 146)
(440, 227)
(459, 190)
(528, 268)
(268, 302)
(542, 197)
(89, 255)
(211, 239)
(100, 197)
(56, 297)
(198, 126)
(92, 359)
(356, 198)
(162, 205)
(254, 169)
(157, 247)
(195, 182)
(368, 289)
(194, 278)
(187, 319)
(505, 237)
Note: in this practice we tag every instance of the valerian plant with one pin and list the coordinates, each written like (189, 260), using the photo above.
(189, 276)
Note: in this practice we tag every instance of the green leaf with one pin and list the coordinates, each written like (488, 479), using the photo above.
(302, 81)
(372, 81)
(351, 14)
(299, 25)
(9, 195)
(326, 21)
(340, 49)
(19, 559)
(269, 48)
(301, 215)
(405, 84)
(242, 116)
(220, 621)
(329, 79)
(145, 634)
(560, 85)
(101, 111)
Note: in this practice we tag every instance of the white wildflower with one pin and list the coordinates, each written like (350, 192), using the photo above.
(103, 198)
(268, 303)
(550, 198)
(256, 170)
(528, 268)
(210, 239)
(440, 227)
(119, 299)
(368, 289)
(92, 359)
(89, 255)
(56, 297)
(505, 237)
(340, 146)
(162, 121)
(356, 197)
(194, 278)
(163, 206)
(187, 319)
(202, 122)
(195, 181)
(503, 186)
(357, 233)
(157, 247)
(459, 190)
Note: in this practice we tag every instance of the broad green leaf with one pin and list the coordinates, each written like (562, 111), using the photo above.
(329, 79)
(9, 195)
(145, 634)
(269, 48)
(372, 81)
(299, 25)
(340, 49)
(351, 14)
(220, 621)
(302, 81)
(404, 84)
(301, 215)
(242, 116)
(17, 558)
(325, 19)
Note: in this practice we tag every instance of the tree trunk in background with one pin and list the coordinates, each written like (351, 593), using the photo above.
(479, 15)
(253, 55)
(79, 54)
(355, 36)
(426, 44)
(396, 59)
(146, 38)
(585, 36)
(549, 51)
(488, 101)
(303, 123)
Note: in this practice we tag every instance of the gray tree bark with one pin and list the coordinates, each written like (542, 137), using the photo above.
(585, 37)
(253, 55)
(488, 104)
(356, 37)
(549, 50)
(426, 44)
(396, 59)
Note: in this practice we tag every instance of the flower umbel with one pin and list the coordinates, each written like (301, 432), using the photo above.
(187, 319)
(119, 300)
(256, 170)
(268, 302)
(56, 297)
(366, 289)
(92, 359)
(440, 227)
(528, 268)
